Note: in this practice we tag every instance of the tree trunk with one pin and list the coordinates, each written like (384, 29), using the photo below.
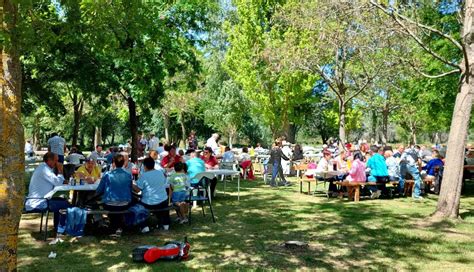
(12, 140)
(291, 133)
(36, 134)
(183, 129)
(98, 136)
(342, 122)
(385, 114)
(132, 114)
(450, 194)
(78, 104)
(230, 140)
(166, 123)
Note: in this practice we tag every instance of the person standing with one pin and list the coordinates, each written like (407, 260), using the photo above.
(57, 145)
(410, 159)
(153, 142)
(276, 155)
(192, 140)
(212, 143)
(29, 149)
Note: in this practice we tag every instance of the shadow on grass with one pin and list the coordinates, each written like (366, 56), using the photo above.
(249, 234)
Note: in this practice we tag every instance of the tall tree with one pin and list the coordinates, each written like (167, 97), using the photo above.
(463, 42)
(338, 41)
(11, 137)
(275, 92)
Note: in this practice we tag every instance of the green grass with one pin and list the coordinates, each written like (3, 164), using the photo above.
(372, 234)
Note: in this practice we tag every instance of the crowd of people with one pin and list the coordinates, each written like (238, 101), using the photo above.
(121, 183)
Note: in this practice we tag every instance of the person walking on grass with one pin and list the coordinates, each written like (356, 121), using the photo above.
(276, 155)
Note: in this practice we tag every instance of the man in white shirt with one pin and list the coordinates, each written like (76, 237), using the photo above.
(43, 182)
(57, 145)
(97, 153)
(153, 142)
(29, 149)
(212, 143)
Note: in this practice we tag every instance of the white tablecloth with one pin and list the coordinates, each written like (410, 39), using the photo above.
(60, 188)
(221, 172)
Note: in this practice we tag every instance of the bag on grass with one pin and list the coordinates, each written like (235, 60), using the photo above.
(173, 250)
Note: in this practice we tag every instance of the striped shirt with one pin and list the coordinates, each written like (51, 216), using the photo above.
(56, 145)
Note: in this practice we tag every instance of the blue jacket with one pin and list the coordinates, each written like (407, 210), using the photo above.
(116, 186)
(430, 167)
(377, 165)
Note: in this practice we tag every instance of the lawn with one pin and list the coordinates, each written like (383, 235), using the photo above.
(371, 234)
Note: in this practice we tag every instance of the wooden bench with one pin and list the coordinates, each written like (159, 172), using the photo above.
(353, 188)
(408, 187)
(302, 178)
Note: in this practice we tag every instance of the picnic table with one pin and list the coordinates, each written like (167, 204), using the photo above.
(223, 173)
(66, 187)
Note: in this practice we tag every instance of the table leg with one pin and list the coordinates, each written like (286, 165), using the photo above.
(238, 187)
(225, 181)
(309, 188)
(357, 194)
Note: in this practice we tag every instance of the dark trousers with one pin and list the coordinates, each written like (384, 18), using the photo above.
(116, 220)
(382, 186)
(56, 204)
(163, 216)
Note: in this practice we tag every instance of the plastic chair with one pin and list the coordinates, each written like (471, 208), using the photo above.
(204, 185)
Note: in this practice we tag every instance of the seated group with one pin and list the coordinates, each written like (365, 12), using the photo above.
(378, 165)
(117, 190)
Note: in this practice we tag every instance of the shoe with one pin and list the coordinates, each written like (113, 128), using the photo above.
(117, 234)
(145, 230)
(166, 227)
(374, 195)
(184, 221)
(177, 219)
(418, 198)
(273, 185)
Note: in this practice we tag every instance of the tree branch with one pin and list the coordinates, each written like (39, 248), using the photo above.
(396, 16)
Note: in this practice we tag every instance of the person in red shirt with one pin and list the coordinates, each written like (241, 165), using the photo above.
(172, 158)
(209, 160)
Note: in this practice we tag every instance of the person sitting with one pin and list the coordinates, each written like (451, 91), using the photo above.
(341, 161)
(170, 159)
(75, 156)
(378, 172)
(209, 160)
(245, 163)
(116, 190)
(324, 166)
(357, 171)
(194, 165)
(152, 183)
(179, 182)
(89, 172)
(393, 166)
(297, 153)
(97, 153)
(430, 168)
(43, 182)
(228, 155)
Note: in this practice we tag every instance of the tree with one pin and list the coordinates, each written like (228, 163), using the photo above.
(463, 42)
(276, 93)
(339, 41)
(11, 137)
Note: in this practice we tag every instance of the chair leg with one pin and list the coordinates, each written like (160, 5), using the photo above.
(212, 212)
(203, 212)
(41, 222)
(46, 226)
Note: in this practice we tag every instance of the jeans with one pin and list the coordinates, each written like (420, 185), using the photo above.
(277, 170)
(56, 204)
(413, 170)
